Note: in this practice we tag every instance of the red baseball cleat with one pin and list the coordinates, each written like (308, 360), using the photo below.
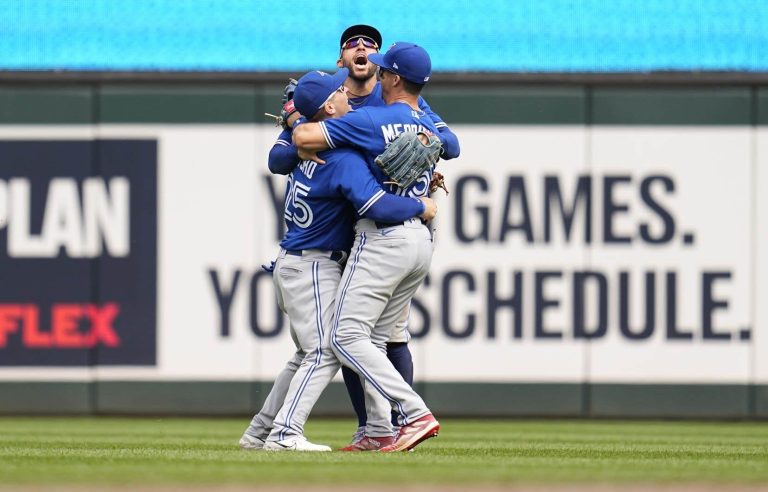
(370, 444)
(358, 436)
(412, 434)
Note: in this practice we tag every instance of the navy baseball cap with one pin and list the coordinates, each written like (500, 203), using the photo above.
(407, 60)
(358, 30)
(314, 88)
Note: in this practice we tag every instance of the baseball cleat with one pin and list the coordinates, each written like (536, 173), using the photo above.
(251, 443)
(370, 444)
(298, 443)
(358, 436)
(412, 434)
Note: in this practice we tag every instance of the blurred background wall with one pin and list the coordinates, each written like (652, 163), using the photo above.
(602, 251)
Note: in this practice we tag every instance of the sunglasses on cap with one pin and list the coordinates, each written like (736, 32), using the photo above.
(380, 70)
(341, 89)
(355, 41)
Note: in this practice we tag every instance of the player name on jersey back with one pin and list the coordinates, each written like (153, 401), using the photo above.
(392, 130)
(308, 168)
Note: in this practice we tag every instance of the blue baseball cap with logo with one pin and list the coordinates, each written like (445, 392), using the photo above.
(314, 89)
(407, 60)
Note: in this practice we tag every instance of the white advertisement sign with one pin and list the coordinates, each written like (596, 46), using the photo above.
(562, 254)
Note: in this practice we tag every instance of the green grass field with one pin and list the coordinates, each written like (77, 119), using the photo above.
(112, 451)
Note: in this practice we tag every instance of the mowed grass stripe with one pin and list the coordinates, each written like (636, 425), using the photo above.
(118, 451)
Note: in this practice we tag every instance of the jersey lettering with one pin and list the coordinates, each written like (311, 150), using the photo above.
(308, 168)
(391, 131)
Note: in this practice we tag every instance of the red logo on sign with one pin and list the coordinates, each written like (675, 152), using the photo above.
(73, 326)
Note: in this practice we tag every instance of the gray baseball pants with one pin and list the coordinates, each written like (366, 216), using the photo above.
(305, 287)
(385, 268)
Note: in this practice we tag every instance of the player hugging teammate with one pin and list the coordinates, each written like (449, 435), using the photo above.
(357, 245)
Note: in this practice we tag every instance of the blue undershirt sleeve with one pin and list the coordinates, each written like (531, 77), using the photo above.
(283, 156)
(451, 148)
(450, 141)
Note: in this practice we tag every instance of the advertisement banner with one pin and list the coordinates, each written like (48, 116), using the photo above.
(569, 254)
(78, 261)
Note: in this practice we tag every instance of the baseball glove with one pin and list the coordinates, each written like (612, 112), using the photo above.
(406, 158)
(288, 91)
(287, 108)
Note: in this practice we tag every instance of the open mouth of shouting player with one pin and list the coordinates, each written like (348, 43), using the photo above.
(354, 57)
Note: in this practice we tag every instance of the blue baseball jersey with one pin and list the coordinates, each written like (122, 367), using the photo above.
(322, 201)
(371, 128)
(376, 98)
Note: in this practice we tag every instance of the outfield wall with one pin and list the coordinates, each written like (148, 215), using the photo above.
(602, 252)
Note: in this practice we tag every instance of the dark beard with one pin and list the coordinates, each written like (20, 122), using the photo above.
(370, 73)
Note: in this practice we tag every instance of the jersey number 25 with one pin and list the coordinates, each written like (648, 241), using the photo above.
(297, 210)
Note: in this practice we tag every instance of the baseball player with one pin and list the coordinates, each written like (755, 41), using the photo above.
(356, 43)
(322, 202)
(388, 260)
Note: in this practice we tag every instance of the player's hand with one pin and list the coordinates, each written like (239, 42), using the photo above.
(309, 155)
(292, 119)
(288, 114)
(430, 208)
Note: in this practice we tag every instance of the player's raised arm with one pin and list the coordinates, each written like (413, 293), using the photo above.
(308, 143)
(309, 137)
(283, 156)
(450, 141)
